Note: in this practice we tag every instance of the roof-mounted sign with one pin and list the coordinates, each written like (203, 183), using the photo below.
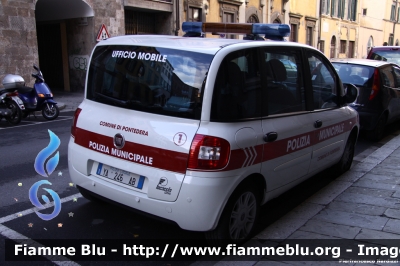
(103, 34)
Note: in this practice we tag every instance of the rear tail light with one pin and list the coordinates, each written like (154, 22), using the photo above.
(74, 121)
(10, 94)
(375, 85)
(208, 153)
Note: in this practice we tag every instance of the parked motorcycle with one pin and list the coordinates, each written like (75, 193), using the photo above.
(11, 106)
(38, 98)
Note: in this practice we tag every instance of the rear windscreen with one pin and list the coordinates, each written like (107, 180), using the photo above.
(355, 74)
(155, 80)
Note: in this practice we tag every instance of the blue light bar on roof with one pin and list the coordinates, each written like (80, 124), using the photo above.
(271, 31)
(192, 27)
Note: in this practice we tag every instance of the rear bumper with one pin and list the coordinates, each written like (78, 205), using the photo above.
(368, 118)
(197, 208)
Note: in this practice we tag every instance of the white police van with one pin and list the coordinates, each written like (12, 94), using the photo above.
(202, 131)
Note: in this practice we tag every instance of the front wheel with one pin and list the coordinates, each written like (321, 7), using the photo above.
(16, 114)
(238, 218)
(50, 111)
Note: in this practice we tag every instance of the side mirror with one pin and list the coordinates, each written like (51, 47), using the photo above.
(351, 93)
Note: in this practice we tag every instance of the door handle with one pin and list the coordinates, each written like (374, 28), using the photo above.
(271, 136)
(318, 124)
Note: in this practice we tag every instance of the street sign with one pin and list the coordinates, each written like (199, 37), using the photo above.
(103, 34)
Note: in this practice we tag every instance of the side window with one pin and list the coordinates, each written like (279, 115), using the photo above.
(387, 77)
(396, 72)
(323, 82)
(237, 87)
(284, 90)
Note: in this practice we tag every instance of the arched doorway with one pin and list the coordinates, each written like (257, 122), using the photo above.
(370, 44)
(333, 47)
(54, 20)
(253, 19)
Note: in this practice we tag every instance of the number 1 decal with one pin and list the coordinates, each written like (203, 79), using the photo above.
(180, 138)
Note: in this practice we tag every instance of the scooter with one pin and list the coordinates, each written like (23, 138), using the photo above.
(38, 98)
(11, 106)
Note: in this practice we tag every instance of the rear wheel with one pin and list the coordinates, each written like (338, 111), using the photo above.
(238, 218)
(16, 114)
(50, 111)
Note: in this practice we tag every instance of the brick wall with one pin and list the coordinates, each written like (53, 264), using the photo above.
(18, 43)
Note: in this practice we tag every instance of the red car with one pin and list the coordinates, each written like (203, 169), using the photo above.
(385, 53)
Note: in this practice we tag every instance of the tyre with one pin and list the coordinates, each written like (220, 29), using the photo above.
(377, 133)
(238, 219)
(16, 115)
(50, 111)
(347, 157)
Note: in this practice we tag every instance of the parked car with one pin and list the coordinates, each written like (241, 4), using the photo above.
(385, 53)
(234, 131)
(378, 83)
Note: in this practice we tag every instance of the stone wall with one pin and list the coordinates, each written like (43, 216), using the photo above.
(110, 13)
(18, 42)
(18, 39)
(81, 39)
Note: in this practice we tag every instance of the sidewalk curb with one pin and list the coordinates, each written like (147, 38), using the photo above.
(61, 106)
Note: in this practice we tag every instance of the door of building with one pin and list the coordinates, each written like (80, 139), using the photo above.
(50, 54)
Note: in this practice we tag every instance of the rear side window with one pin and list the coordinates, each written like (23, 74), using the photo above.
(387, 77)
(396, 72)
(237, 91)
(284, 79)
(154, 80)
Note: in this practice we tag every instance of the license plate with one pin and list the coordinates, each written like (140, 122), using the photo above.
(120, 176)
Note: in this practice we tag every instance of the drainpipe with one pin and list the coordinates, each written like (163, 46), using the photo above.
(394, 23)
(177, 18)
(320, 26)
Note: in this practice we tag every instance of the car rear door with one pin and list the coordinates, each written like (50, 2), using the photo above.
(287, 126)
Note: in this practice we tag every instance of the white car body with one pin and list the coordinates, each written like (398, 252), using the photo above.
(157, 146)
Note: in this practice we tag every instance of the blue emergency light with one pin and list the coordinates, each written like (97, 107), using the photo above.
(271, 31)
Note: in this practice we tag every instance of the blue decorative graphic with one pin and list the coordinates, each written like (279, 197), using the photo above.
(45, 153)
(51, 165)
(35, 201)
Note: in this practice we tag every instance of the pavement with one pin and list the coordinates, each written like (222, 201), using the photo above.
(362, 204)
(67, 101)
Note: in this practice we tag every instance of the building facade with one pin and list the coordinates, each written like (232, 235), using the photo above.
(338, 28)
(303, 21)
(59, 35)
